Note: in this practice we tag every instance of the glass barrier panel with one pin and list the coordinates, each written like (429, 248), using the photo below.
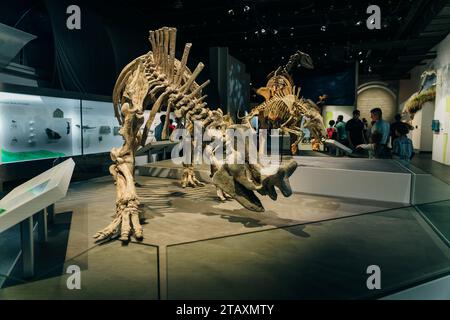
(324, 260)
(438, 215)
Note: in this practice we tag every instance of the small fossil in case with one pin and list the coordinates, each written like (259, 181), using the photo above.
(105, 130)
(85, 127)
(52, 135)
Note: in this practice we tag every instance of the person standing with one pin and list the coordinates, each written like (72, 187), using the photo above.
(331, 133)
(159, 128)
(383, 127)
(366, 129)
(402, 147)
(171, 127)
(397, 124)
(355, 130)
(340, 128)
(331, 130)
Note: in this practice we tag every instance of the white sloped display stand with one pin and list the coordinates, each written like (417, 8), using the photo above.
(35, 196)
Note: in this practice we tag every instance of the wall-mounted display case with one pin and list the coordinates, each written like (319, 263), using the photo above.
(36, 127)
(100, 130)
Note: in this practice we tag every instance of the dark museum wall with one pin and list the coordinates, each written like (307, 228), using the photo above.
(88, 60)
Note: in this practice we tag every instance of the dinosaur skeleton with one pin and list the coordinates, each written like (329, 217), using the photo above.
(283, 107)
(159, 79)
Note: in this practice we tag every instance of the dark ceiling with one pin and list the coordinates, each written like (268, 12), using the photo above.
(263, 33)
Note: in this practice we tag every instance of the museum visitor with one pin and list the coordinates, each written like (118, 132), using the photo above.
(355, 130)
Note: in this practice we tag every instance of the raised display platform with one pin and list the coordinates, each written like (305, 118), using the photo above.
(369, 179)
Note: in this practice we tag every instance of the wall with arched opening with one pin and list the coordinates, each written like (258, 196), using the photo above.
(372, 95)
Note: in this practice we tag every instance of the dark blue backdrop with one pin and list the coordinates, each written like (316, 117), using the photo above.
(339, 85)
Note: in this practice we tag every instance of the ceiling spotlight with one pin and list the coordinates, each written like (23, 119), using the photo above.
(275, 31)
(246, 9)
(325, 54)
(263, 31)
(282, 58)
(360, 53)
(245, 38)
(292, 34)
(323, 28)
(257, 32)
(231, 12)
(358, 23)
(370, 69)
(178, 4)
(361, 61)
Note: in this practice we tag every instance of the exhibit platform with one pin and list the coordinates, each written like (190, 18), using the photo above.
(366, 179)
(197, 247)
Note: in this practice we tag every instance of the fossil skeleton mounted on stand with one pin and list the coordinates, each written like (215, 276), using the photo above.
(284, 108)
(157, 79)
